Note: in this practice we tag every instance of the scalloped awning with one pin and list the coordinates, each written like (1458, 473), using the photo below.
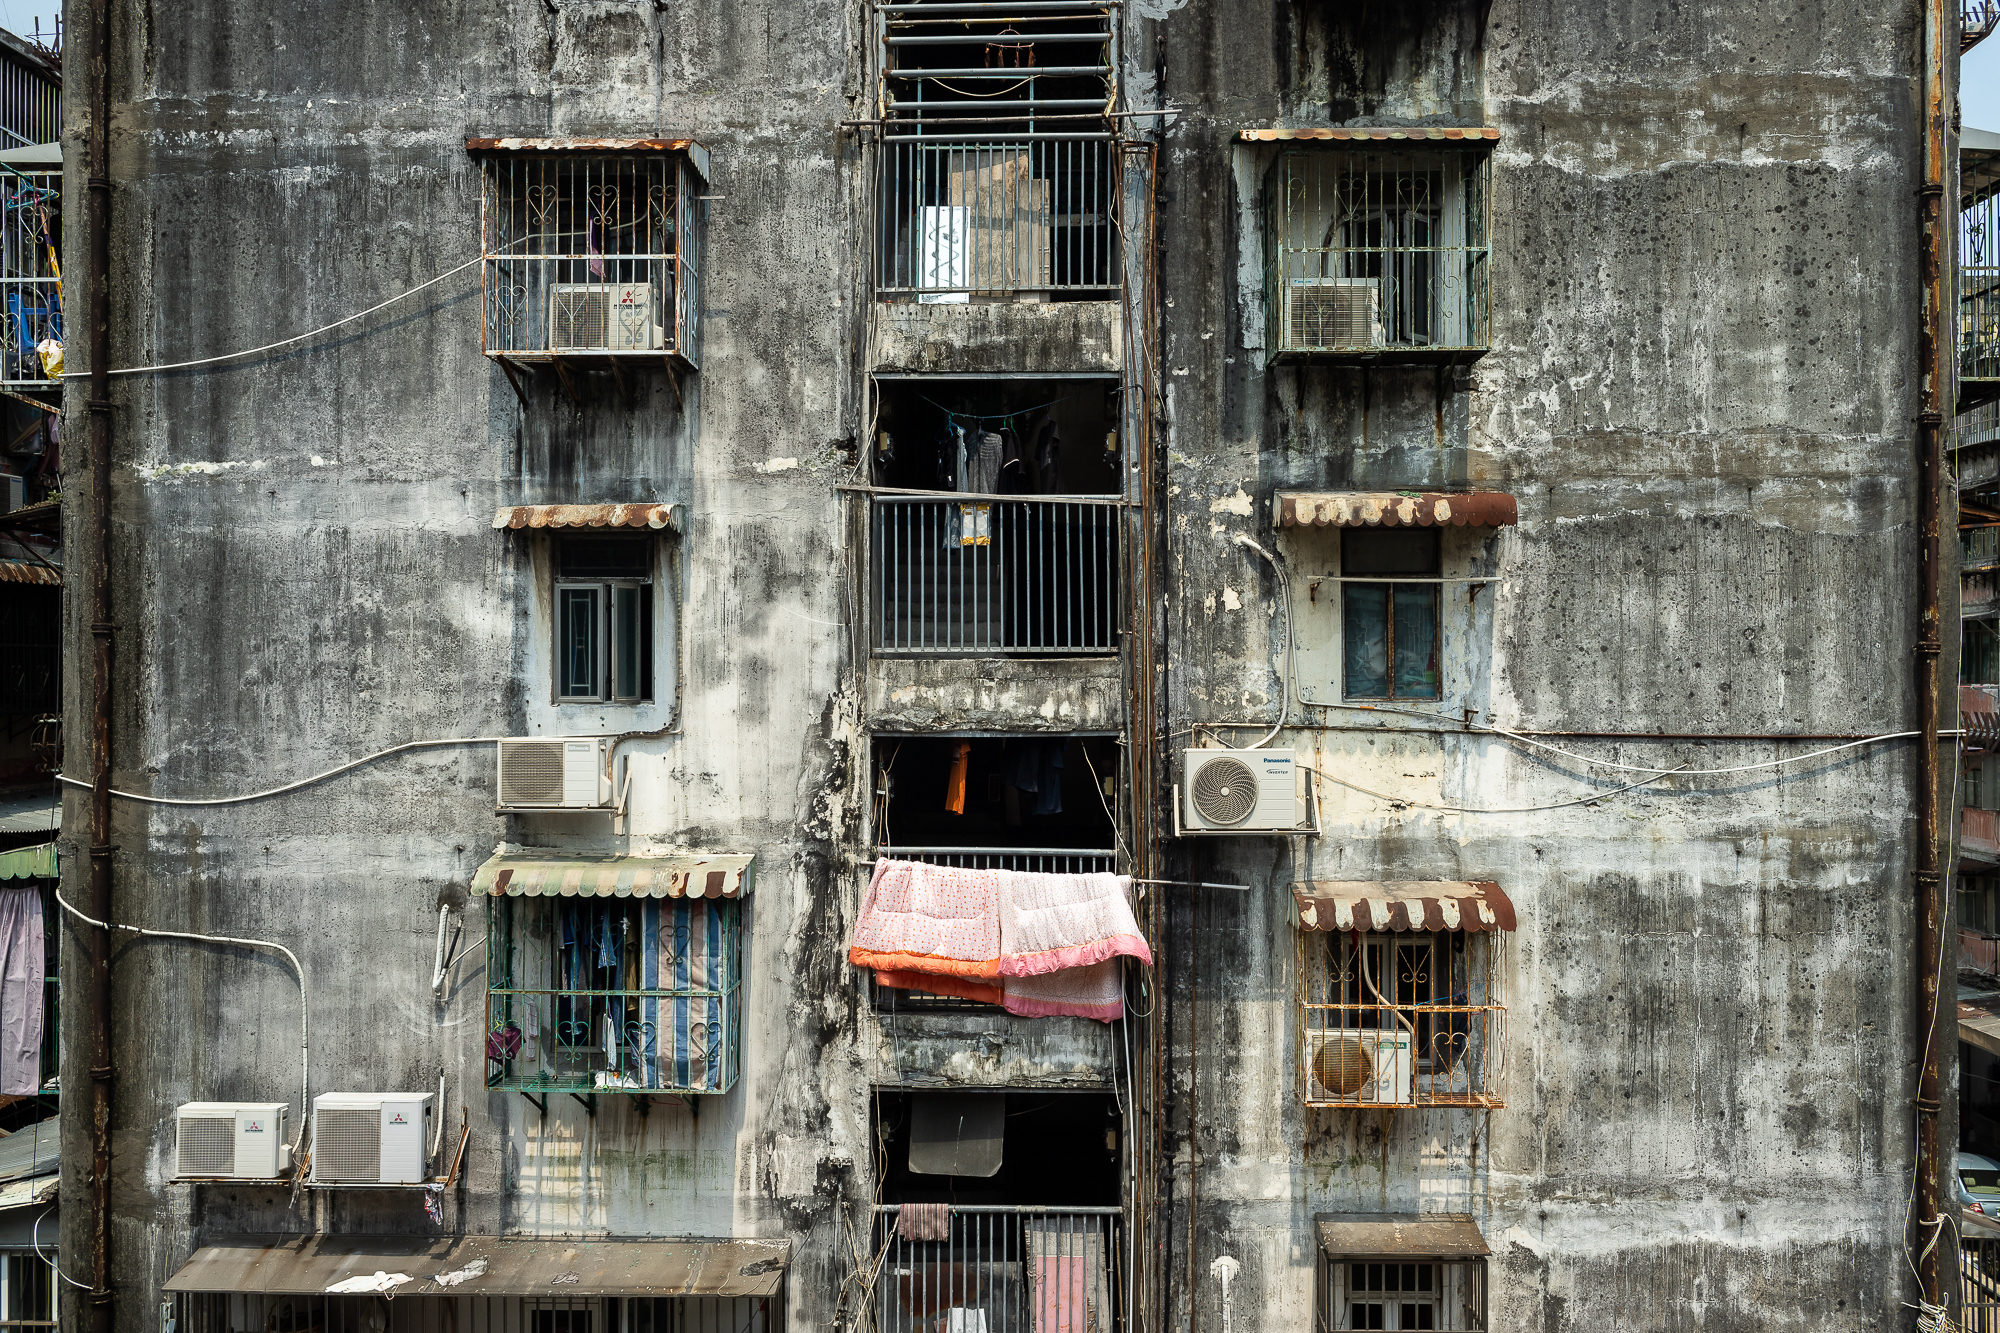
(1394, 509)
(1401, 905)
(549, 874)
(1478, 134)
(658, 517)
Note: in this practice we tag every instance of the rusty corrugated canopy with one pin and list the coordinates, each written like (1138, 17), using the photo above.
(28, 571)
(653, 516)
(551, 875)
(1375, 133)
(488, 1265)
(1401, 904)
(696, 153)
(1394, 509)
(1400, 1236)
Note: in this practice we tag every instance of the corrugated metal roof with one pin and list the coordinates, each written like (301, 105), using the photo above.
(549, 874)
(528, 145)
(1371, 133)
(31, 1190)
(31, 814)
(1400, 1235)
(28, 571)
(654, 516)
(29, 862)
(1398, 905)
(32, 1151)
(488, 1265)
(1394, 509)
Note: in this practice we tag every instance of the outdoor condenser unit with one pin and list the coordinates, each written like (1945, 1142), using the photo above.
(1333, 312)
(603, 317)
(553, 775)
(1360, 1066)
(371, 1138)
(232, 1140)
(1241, 791)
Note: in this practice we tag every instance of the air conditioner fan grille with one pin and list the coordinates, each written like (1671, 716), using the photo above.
(1343, 1065)
(207, 1146)
(347, 1144)
(531, 773)
(1224, 791)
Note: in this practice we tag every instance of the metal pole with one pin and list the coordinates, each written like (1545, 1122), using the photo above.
(1939, 26)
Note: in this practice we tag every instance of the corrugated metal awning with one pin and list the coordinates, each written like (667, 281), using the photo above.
(548, 874)
(1400, 1236)
(653, 516)
(29, 862)
(1394, 509)
(28, 571)
(488, 1265)
(1979, 1027)
(697, 154)
(1375, 133)
(1401, 904)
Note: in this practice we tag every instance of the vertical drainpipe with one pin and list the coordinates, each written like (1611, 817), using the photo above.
(1938, 28)
(98, 166)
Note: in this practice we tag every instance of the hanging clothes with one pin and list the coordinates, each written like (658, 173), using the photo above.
(982, 476)
(954, 786)
(1036, 768)
(1017, 471)
(22, 960)
(1048, 459)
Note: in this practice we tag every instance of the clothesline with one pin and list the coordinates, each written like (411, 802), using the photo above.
(994, 416)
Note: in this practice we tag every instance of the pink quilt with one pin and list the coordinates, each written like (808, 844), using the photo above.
(1052, 922)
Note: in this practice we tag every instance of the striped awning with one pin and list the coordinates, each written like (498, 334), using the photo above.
(29, 862)
(1394, 509)
(1401, 904)
(653, 516)
(29, 571)
(1369, 133)
(553, 875)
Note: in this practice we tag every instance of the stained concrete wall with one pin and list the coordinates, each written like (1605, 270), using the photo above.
(1701, 391)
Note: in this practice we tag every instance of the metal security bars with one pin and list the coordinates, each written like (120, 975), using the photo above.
(1979, 276)
(27, 1290)
(1399, 1293)
(1000, 1269)
(987, 576)
(591, 255)
(1000, 173)
(1979, 1284)
(1381, 252)
(1399, 1020)
(29, 240)
(614, 995)
(244, 1312)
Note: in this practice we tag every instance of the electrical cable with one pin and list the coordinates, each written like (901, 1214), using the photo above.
(1509, 810)
(302, 782)
(1285, 675)
(35, 1238)
(1697, 772)
(994, 416)
(305, 1057)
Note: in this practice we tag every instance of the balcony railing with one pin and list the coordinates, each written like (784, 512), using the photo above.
(995, 576)
(29, 285)
(961, 217)
(1003, 1269)
(1979, 323)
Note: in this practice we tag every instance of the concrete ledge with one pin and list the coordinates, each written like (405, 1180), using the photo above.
(977, 1050)
(996, 694)
(986, 339)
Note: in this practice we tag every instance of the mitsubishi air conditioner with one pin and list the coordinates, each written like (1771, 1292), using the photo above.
(1333, 312)
(1241, 791)
(603, 317)
(231, 1140)
(371, 1138)
(1359, 1067)
(553, 775)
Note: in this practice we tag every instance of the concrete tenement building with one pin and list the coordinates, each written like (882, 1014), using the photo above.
(557, 498)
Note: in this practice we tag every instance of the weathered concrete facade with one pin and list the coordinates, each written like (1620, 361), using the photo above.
(1699, 390)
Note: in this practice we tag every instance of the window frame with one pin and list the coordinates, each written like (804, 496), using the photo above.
(610, 632)
(1458, 1302)
(1395, 587)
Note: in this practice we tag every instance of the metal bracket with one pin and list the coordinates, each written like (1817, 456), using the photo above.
(540, 1104)
(588, 1102)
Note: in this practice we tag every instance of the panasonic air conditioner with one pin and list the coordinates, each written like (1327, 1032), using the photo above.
(1241, 791)
(603, 317)
(1333, 312)
(553, 775)
(231, 1140)
(1360, 1067)
(371, 1138)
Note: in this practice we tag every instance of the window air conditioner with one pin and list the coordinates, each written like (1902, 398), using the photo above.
(1241, 791)
(371, 1138)
(234, 1140)
(1333, 312)
(1360, 1066)
(553, 775)
(603, 317)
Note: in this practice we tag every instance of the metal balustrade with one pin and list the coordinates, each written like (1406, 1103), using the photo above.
(1001, 1269)
(32, 292)
(421, 1307)
(989, 576)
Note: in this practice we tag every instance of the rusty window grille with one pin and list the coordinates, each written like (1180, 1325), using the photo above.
(630, 995)
(30, 238)
(592, 255)
(1389, 1020)
(234, 1312)
(1389, 630)
(1381, 252)
(1979, 274)
(1979, 1284)
(27, 1291)
(1003, 1268)
(1354, 1292)
(999, 170)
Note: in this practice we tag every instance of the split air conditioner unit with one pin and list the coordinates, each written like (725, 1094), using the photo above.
(1360, 1067)
(371, 1138)
(553, 775)
(231, 1140)
(603, 317)
(1242, 791)
(1333, 312)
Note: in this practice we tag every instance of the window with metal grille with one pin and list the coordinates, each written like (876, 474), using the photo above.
(604, 620)
(1358, 1293)
(592, 254)
(1389, 630)
(630, 995)
(1399, 1020)
(1381, 249)
(27, 1290)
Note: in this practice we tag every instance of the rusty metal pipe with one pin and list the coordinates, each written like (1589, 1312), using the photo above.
(1938, 27)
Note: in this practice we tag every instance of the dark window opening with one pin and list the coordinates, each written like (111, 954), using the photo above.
(1057, 1149)
(1389, 631)
(604, 621)
(1044, 795)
